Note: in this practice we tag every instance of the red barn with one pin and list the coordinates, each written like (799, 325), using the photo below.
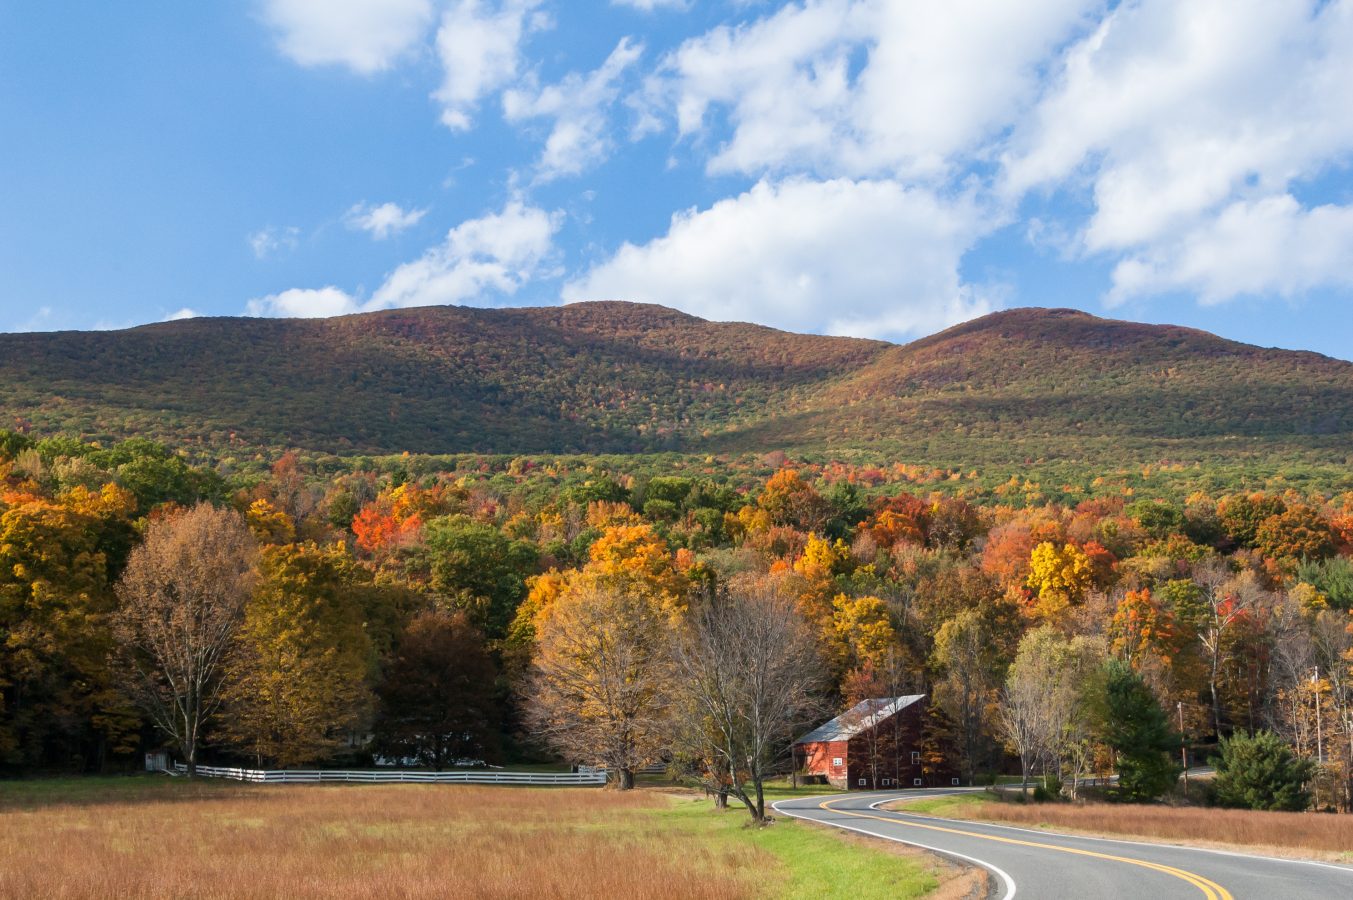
(876, 744)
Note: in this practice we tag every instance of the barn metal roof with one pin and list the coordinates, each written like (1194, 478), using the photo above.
(860, 717)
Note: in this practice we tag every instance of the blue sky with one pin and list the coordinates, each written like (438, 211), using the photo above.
(861, 167)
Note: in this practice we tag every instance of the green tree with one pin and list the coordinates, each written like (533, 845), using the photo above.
(1132, 722)
(1260, 771)
(1333, 578)
(1242, 514)
(478, 569)
(12, 443)
(1158, 519)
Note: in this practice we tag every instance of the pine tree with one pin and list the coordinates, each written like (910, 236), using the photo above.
(1135, 726)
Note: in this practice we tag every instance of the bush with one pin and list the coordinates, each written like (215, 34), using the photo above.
(1048, 788)
(1260, 771)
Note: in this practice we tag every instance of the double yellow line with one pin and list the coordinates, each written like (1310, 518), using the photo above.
(1210, 889)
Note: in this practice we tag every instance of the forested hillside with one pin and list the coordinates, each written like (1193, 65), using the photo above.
(347, 595)
(584, 378)
(1006, 390)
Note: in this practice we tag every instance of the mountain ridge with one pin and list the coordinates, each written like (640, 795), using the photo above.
(610, 376)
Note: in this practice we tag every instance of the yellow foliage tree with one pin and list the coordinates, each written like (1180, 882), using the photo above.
(602, 678)
(863, 630)
(634, 559)
(1060, 576)
(269, 524)
(297, 684)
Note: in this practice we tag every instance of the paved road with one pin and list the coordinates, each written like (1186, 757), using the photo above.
(1040, 864)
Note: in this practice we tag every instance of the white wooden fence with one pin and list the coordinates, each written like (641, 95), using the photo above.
(397, 776)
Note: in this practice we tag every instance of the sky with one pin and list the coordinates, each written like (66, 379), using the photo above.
(878, 168)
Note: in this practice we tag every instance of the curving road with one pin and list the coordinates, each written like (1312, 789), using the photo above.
(1041, 864)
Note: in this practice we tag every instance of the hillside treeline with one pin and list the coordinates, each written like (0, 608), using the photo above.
(1016, 388)
(354, 613)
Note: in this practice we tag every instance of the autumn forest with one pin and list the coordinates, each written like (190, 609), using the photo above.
(329, 599)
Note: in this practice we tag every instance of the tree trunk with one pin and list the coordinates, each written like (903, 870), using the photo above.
(624, 780)
(721, 798)
(1216, 701)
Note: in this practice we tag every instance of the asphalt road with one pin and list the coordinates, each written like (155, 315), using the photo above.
(1039, 864)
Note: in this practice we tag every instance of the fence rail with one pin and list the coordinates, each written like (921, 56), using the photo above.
(397, 776)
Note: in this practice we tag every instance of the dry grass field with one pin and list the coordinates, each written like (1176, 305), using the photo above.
(1280, 833)
(145, 837)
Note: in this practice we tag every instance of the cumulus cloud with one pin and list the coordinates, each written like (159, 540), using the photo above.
(867, 258)
(181, 314)
(1181, 144)
(1192, 122)
(578, 104)
(498, 254)
(272, 241)
(479, 45)
(1271, 246)
(480, 261)
(863, 87)
(303, 303)
(366, 36)
(382, 221)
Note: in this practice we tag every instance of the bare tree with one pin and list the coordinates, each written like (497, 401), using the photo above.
(181, 597)
(601, 685)
(749, 673)
(1227, 599)
(1333, 648)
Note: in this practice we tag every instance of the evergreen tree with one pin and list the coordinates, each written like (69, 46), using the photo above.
(1260, 771)
(1134, 725)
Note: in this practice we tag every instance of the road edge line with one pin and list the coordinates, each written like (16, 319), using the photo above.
(1347, 869)
(990, 867)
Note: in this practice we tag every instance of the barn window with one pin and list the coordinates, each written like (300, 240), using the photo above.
(916, 782)
(916, 757)
(836, 761)
(887, 781)
(954, 782)
(861, 782)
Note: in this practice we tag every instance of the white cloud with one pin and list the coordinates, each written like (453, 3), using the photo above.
(651, 5)
(273, 241)
(479, 45)
(303, 303)
(382, 221)
(181, 314)
(480, 260)
(366, 36)
(1267, 247)
(579, 105)
(868, 258)
(497, 253)
(863, 87)
(1192, 121)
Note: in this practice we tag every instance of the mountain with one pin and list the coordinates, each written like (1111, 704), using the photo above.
(616, 377)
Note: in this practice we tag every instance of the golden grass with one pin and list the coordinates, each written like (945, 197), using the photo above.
(1313, 834)
(408, 841)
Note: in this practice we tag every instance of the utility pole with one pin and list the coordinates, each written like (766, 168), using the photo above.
(1319, 740)
(1183, 749)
